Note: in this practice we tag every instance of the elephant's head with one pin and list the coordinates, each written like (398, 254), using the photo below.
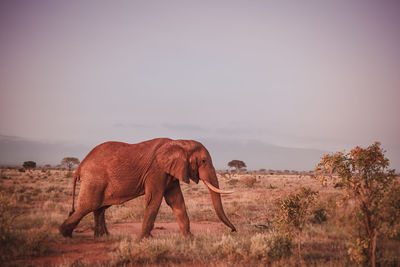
(189, 160)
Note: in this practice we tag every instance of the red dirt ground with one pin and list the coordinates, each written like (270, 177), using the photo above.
(87, 249)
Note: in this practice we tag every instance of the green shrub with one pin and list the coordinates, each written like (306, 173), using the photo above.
(292, 213)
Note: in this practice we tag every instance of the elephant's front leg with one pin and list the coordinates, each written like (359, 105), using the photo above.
(153, 201)
(174, 198)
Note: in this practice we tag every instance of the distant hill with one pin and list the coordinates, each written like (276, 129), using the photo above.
(259, 155)
(16, 150)
(256, 154)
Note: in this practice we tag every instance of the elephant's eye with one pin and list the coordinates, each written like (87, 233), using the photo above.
(203, 161)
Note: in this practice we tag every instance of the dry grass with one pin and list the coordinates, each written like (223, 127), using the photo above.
(33, 204)
(260, 248)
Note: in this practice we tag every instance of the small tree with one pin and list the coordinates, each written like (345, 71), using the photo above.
(237, 164)
(292, 213)
(29, 165)
(70, 162)
(365, 176)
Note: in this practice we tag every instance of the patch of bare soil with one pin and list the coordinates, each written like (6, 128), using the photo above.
(85, 248)
(162, 228)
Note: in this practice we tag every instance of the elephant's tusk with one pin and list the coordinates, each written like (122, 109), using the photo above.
(213, 188)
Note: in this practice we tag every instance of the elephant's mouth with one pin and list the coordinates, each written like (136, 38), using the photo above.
(216, 190)
(196, 180)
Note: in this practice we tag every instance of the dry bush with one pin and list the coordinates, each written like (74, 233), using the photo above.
(275, 246)
(248, 181)
(203, 249)
(15, 243)
(233, 182)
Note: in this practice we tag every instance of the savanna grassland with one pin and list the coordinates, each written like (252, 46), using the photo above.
(34, 203)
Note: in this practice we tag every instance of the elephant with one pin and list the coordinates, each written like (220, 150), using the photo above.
(115, 172)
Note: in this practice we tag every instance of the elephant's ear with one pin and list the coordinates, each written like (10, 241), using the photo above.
(173, 159)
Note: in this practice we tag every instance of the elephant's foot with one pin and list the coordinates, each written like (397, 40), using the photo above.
(145, 236)
(100, 231)
(65, 230)
(188, 235)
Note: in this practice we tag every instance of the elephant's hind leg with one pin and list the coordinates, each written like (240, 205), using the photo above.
(100, 228)
(69, 224)
(90, 199)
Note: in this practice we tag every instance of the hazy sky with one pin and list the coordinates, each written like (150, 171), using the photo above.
(307, 74)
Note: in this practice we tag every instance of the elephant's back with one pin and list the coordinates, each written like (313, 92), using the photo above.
(104, 150)
(115, 147)
(97, 159)
(112, 157)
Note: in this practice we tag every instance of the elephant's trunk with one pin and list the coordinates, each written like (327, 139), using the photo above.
(216, 198)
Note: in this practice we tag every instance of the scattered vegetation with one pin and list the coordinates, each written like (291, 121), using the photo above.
(372, 188)
(272, 213)
(203, 249)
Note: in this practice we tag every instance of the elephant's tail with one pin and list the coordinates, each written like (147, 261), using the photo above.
(76, 177)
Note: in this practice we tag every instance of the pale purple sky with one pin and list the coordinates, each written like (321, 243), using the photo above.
(307, 74)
